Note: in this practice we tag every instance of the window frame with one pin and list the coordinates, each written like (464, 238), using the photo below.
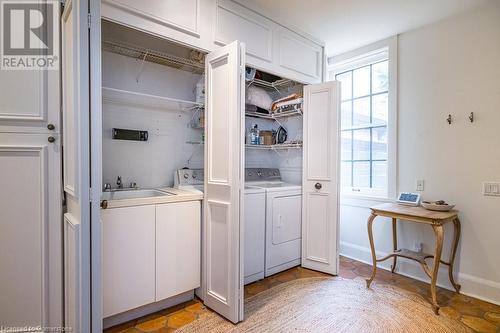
(370, 54)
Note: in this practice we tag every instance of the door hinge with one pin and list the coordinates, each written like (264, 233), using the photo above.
(89, 20)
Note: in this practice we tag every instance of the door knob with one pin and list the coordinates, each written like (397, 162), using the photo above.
(51, 127)
(51, 139)
(318, 186)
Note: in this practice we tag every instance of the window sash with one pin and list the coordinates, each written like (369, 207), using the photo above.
(370, 189)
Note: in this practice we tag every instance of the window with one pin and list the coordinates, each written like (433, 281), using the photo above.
(366, 122)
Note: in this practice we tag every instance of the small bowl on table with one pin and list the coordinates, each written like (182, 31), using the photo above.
(440, 205)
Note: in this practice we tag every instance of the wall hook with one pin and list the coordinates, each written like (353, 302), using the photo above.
(449, 119)
(471, 117)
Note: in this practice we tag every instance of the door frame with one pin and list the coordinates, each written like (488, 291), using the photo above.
(95, 247)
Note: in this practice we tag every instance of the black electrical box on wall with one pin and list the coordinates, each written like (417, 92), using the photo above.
(128, 134)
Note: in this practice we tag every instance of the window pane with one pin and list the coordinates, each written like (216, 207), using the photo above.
(346, 87)
(379, 170)
(346, 114)
(345, 171)
(379, 143)
(380, 109)
(361, 112)
(361, 82)
(346, 139)
(380, 77)
(361, 144)
(361, 174)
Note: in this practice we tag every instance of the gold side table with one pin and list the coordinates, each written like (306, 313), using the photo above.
(424, 216)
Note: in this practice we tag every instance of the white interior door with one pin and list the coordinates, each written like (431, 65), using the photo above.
(320, 200)
(224, 161)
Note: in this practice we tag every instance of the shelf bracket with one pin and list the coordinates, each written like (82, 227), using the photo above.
(141, 67)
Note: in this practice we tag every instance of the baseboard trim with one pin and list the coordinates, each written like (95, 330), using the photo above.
(147, 309)
(472, 286)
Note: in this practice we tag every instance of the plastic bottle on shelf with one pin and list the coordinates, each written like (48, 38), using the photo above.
(254, 132)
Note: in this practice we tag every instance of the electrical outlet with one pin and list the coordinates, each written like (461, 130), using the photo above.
(491, 189)
(417, 247)
(419, 185)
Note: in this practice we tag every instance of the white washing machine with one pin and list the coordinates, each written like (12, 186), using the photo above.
(283, 219)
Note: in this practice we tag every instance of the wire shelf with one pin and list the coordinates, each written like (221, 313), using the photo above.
(195, 66)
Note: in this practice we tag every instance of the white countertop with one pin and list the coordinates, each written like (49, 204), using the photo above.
(179, 196)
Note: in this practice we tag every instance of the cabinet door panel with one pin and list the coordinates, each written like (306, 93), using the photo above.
(299, 55)
(128, 258)
(235, 22)
(30, 231)
(180, 14)
(178, 238)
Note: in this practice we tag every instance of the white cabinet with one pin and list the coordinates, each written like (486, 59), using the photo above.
(128, 258)
(178, 239)
(30, 231)
(298, 57)
(150, 253)
(188, 22)
(235, 22)
(269, 46)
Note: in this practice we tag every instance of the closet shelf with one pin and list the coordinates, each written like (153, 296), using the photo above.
(276, 85)
(196, 66)
(195, 143)
(273, 116)
(275, 147)
(112, 95)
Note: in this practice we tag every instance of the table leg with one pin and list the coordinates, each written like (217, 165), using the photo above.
(394, 243)
(456, 238)
(372, 247)
(438, 231)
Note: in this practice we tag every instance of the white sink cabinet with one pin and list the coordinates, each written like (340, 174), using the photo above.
(150, 253)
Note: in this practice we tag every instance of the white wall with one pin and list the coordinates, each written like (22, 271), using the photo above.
(151, 163)
(450, 67)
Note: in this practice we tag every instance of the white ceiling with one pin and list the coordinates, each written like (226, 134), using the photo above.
(348, 24)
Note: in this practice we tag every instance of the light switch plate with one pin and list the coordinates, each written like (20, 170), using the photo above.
(491, 189)
(419, 185)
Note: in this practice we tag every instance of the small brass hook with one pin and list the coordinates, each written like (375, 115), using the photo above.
(471, 117)
(449, 119)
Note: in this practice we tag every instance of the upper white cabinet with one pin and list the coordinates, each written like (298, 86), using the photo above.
(235, 22)
(189, 22)
(210, 24)
(269, 46)
(298, 57)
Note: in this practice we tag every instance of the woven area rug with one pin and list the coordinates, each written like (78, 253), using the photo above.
(332, 305)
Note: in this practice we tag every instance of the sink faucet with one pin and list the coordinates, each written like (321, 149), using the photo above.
(119, 183)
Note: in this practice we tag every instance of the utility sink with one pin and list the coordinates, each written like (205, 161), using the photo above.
(133, 194)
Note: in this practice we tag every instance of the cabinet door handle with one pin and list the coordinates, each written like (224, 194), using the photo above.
(51, 139)
(51, 127)
(318, 186)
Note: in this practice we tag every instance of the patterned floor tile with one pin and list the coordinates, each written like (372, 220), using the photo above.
(480, 316)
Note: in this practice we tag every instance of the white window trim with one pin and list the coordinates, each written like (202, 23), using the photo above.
(387, 48)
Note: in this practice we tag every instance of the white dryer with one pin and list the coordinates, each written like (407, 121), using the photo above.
(283, 219)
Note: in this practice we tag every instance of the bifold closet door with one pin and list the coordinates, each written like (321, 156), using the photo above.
(320, 199)
(75, 38)
(224, 161)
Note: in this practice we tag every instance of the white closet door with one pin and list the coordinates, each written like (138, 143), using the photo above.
(76, 155)
(320, 200)
(224, 161)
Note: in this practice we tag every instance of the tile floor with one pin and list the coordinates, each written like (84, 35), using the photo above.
(478, 315)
